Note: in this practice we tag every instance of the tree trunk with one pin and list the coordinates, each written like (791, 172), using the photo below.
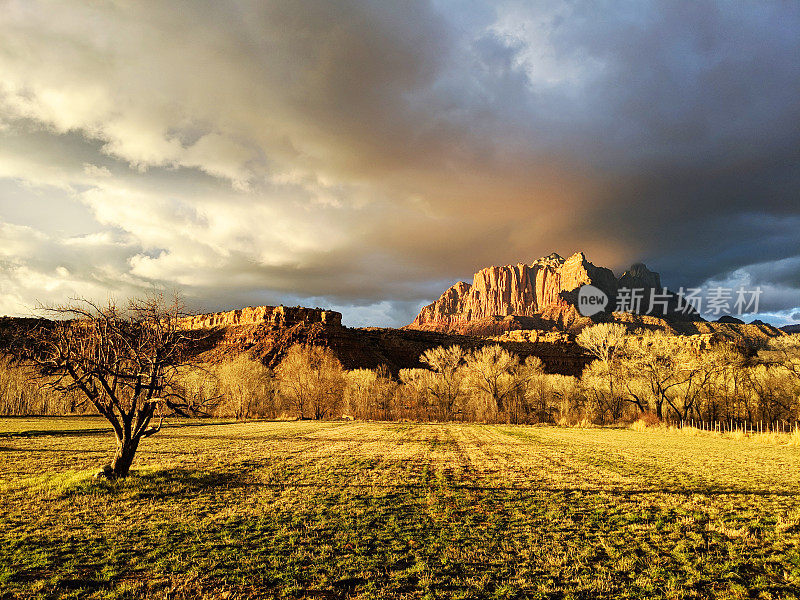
(124, 458)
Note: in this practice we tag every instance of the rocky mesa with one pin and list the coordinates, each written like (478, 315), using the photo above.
(546, 288)
(278, 316)
(541, 295)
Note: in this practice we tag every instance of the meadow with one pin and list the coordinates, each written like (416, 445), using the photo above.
(396, 510)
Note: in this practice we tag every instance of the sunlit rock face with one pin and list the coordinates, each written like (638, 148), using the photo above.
(545, 288)
(281, 316)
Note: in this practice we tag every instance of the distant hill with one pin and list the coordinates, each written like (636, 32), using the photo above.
(791, 328)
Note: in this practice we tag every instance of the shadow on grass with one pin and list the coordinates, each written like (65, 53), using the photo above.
(86, 582)
(187, 479)
(69, 451)
(533, 489)
(155, 484)
(32, 433)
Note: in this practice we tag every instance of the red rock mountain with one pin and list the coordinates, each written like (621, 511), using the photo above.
(547, 287)
(282, 316)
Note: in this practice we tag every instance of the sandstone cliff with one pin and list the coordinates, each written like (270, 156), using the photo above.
(542, 295)
(545, 289)
(279, 316)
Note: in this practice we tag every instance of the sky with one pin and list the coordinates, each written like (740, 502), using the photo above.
(364, 156)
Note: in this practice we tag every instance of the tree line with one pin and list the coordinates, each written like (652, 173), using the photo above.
(633, 375)
(645, 373)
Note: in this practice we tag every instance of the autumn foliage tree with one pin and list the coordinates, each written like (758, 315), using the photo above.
(488, 371)
(605, 342)
(311, 379)
(447, 386)
(125, 362)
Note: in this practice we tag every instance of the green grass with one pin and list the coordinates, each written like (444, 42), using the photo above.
(371, 510)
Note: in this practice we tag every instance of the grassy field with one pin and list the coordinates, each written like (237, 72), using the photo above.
(335, 509)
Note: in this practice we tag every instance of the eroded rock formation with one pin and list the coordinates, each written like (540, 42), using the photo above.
(544, 290)
(279, 316)
(544, 295)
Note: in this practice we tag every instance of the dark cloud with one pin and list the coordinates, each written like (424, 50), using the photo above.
(366, 154)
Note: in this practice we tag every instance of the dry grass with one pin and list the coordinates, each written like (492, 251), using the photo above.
(340, 509)
(794, 438)
(789, 438)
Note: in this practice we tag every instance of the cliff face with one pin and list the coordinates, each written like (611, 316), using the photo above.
(547, 286)
(279, 316)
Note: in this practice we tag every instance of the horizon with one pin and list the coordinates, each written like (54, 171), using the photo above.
(357, 316)
(360, 156)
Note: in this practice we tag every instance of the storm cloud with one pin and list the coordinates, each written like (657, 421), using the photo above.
(366, 155)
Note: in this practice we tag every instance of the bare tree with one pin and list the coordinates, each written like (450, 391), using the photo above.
(448, 384)
(784, 351)
(413, 393)
(369, 393)
(242, 388)
(605, 342)
(532, 399)
(699, 370)
(654, 358)
(311, 378)
(125, 362)
(490, 371)
(22, 392)
(600, 403)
